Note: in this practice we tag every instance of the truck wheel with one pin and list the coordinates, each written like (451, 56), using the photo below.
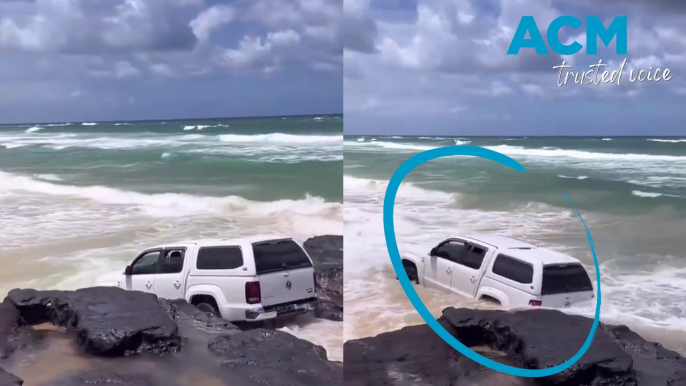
(207, 308)
(412, 273)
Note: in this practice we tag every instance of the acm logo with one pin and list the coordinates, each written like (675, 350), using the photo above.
(594, 30)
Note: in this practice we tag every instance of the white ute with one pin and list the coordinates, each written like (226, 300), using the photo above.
(239, 280)
(502, 269)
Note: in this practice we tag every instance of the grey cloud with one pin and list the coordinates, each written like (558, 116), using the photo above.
(137, 59)
(299, 32)
(444, 64)
(359, 34)
(86, 27)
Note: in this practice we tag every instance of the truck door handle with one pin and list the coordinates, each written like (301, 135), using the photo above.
(177, 284)
(448, 270)
(472, 279)
(148, 284)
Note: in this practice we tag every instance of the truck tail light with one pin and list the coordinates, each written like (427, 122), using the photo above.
(253, 294)
(537, 303)
(314, 275)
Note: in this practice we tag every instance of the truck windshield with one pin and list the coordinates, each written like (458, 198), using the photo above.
(278, 256)
(559, 279)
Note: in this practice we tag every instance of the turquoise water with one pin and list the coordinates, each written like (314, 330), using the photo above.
(630, 191)
(265, 159)
(78, 200)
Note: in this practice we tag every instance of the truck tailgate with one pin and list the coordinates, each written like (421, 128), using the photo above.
(287, 286)
(566, 299)
(285, 271)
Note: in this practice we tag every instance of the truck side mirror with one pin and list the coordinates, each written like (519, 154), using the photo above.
(433, 251)
(128, 270)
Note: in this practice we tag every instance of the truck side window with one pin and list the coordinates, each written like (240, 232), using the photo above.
(513, 269)
(147, 264)
(213, 258)
(173, 261)
(472, 257)
(451, 251)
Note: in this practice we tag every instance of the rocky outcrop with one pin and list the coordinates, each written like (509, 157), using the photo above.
(137, 328)
(107, 321)
(7, 379)
(251, 355)
(9, 322)
(530, 339)
(187, 316)
(327, 254)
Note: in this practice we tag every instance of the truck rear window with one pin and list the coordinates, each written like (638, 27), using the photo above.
(278, 256)
(559, 279)
(212, 258)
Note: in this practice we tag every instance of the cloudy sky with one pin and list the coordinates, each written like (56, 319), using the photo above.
(440, 66)
(85, 60)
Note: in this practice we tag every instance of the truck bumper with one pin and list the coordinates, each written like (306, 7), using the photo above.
(279, 310)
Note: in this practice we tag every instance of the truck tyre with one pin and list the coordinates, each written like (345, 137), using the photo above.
(207, 308)
(411, 271)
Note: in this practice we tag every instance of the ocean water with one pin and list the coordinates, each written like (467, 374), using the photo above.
(630, 191)
(79, 200)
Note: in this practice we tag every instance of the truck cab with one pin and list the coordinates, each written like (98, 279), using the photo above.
(238, 280)
(508, 271)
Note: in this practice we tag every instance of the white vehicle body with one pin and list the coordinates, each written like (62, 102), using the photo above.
(509, 271)
(240, 280)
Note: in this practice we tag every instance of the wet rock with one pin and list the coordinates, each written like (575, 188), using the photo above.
(270, 357)
(107, 321)
(653, 364)
(185, 313)
(7, 379)
(416, 356)
(327, 254)
(530, 339)
(9, 322)
(545, 338)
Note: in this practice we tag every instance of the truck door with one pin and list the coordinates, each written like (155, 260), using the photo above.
(143, 272)
(170, 280)
(467, 271)
(438, 271)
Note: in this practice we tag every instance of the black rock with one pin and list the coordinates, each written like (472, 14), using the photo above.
(539, 339)
(415, 356)
(107, 321)
(327, 254)
(276, 358)
(653, 364)
(532, 339)
(7, 379)
(185, 313)
(9, 322)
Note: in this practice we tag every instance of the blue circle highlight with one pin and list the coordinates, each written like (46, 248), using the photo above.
(392, 246)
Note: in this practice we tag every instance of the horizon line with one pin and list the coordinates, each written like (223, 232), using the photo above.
(171, 119)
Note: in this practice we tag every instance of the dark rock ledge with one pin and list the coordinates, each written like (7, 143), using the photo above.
(327, 253)
(532, 339)
(133, 338)
(136, 339)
